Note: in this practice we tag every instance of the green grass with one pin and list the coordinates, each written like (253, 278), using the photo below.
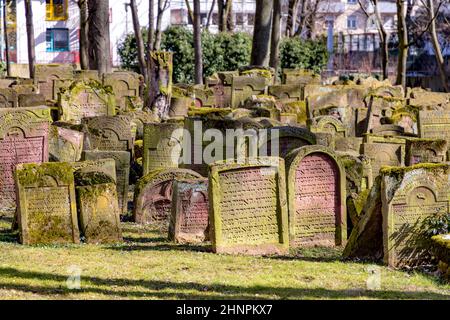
(149, 267)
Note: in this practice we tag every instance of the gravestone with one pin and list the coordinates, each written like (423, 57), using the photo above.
(248, 207)
(31, 100)
(99, 213)
(85, 99)
(220, 83)
(189, 220)
(153, 195)
(287, 92)
(426, 151)
(137, 119)
(46, 74)
(283, 140)
(163, 144)
(125, 85)
(328, 124)
(65, 145)
(8, 98)
(299, 76)
(101, 167)
(434, 124)
(23, 139)
(317, 197)
(47, 212)
(86, 75)
(122, 159)
(109, 133)
(244, 87)
(409, 196)
(380, 109)
(384, 151)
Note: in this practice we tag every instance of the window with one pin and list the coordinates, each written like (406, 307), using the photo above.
(351, 22)
(351, 1)
(57, 40)
(56, 10)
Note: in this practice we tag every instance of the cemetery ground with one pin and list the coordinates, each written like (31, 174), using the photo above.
(147, 266)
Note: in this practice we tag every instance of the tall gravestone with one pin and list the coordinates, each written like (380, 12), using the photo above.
(409, 196)
(189, 220)
(48, 73)
(23, 139)
(122, 159)
(47, 212)
(317, 195)
(153, 195)
(248, 207)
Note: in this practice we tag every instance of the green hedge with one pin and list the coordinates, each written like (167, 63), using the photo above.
(222, 52)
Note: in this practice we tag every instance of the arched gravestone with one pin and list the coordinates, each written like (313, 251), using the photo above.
(328, 124)
(288, 139)
(153, 195)
(47, 212)
(243, 87)
(317, 197)
(24, 134)
(47, 74)
(287, 92)
(110, 133)
(125, 85)
(248, 207)
(410, 195)
(8, 98)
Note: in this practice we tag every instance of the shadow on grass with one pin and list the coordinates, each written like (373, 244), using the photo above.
(6, 235)
(154, 289)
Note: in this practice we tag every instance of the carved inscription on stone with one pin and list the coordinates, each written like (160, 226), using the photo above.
(435, 124)
(317, 198)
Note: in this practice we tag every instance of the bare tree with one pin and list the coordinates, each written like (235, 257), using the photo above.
(210, 14)
(262, 33)
(151, 29)
(6, 37)
(163, 5)
(306, 18)
(99, 40)
(139, 39)
(30, 37)
(224, 12)
(84, 34)
(292, 18)
(198, 43)
(384, 38)
(403, 43)
(276, 35)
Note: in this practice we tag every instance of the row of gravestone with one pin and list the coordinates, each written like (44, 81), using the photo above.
(61, 203)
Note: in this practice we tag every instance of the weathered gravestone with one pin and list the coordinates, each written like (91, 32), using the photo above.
(8, 98)
(153, 195)
(287, 92)
(299, 76)
(98, 209)
(434, 124)
(190, 219)
(48, 73)
(122, 159)
(65, 145)
(85, 99)
(384, 151)
(317, 197)
(23, 139)
(244, 87)
(163, 144)
(248, 207)
(426, 151)
(328, 124)
(31, 100)
(137, 119)
(409, 196)
(106, 133)
(282, 140)
(125, 86)
(47, 212)
(220, 83)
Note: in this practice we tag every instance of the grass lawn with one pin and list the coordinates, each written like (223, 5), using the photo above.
(149, 267)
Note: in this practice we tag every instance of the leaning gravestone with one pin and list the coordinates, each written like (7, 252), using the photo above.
(107, 133)
(153, 195)
(409, 196)
(189, 220)
(85, 99)
(163, 144)
(248, 208)
(317, 195)
(122, 159)
(65, 145)
(47, 212)
(23, 139)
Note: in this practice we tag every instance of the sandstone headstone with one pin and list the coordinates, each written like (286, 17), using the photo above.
(65, 145)
(47, 212)
(248, 207)
(426, 151)
(434, 124)
(8, 98)
(317, 195)
(244, 87)
(384, 151)
(31, 100)
(125, 85)
(189, 220)
(48, 73)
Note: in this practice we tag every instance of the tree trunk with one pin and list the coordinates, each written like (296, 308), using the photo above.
(403, 44)
(225, 16)
(292, 18)
(162, 5)
(276, 34)
(189, 9)
(99, 40)
(84, 34)
(384, 40)
(30, 37)
(6, 37)
(436, 46)
(230, 16)
(160, 92)
(198, 43)
(139, 39)
(211, 11)
(151, 29)
(261, 34)
(220, 16)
